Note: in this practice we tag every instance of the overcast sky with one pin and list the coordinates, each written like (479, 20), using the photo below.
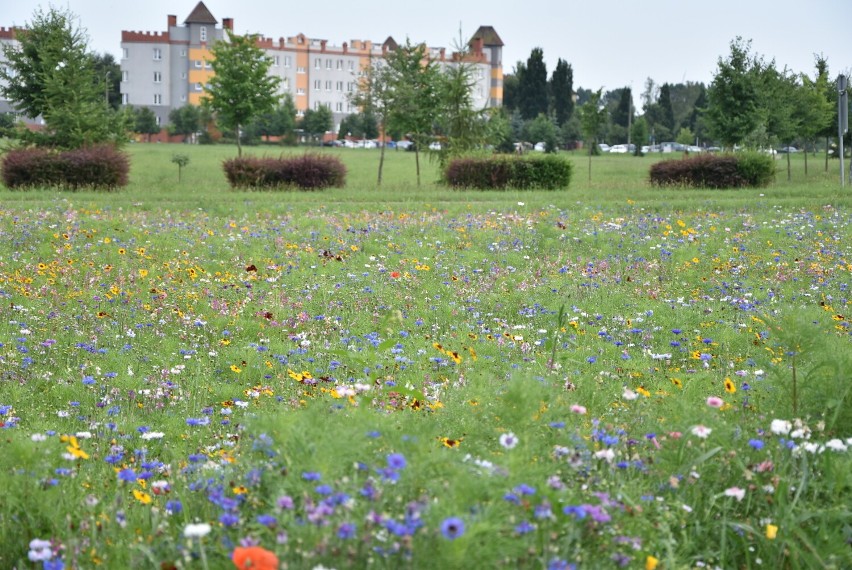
(609, 43)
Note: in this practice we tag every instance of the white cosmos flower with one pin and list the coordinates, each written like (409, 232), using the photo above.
(196, 530)
(508, 440)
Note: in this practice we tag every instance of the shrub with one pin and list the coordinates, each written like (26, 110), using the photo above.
(308, 172)
(547, 172)
(100, 166)
(715, 171)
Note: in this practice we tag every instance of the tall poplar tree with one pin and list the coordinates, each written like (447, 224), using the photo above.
(533, 86)
(562, 91)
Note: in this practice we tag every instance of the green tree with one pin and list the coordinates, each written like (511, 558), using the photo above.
(593, 118)
(733, 102)
(666, 118)
(317, 122)
(185, 121)
(374, 99)
(532, 87)
(542, 129)
(412, 80)
(279, 122)
(696, 117)
(511, 87)
(639, 135)
(49, 73)
(561, 91)
(242, 88)
(813, 107)
(685, 136)
(499, 131)
(460, 122)
(145, 122)
(108, 70)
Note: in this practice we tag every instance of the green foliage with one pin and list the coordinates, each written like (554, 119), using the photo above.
(306, 172)
(108, 70)
(7, 125)
(733, 106)
(503, 172)
(316, 122)
(757, 169)
(562, 92)
(185, 121)
(51, 74)
(98, 167)
(685, 136)
(145, 122)
(532, 83)
(499, 131)
(181, 160)
(639, 134)
(279, 122)
(359, 125)
(242, 88)
(543, 130)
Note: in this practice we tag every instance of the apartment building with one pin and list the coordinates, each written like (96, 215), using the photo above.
(7, 37)
(167, 70)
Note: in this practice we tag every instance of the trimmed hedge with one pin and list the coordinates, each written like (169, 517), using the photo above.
(102, 167)
(548, 172)
(307, 172)
(715, 171)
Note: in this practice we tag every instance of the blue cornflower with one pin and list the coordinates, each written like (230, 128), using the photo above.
(452, 528)
(174, 506)
(524, 527)
(756, 443)
(267, 520)
(346, 530)
(128, 475)
(311, 476)
(396, 461)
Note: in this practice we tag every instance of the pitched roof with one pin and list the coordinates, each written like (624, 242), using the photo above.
(488, 35)
(200, 15)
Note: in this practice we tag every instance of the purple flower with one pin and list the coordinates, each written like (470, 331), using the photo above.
(756, 443)
(284, 502)
(128, 475)
(311, 476)
(452, 528)
(396, 461)
(229, 519)
(346, 530)
(524, 527)
(267, 520)
(174, 507)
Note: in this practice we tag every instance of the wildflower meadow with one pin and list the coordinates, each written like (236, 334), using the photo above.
(607, 376)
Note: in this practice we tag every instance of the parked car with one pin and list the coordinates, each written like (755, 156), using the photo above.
(435, 146)
(693, 148)
(603, 147)
(405, 145)
(540, 147)
(622, 149)
(790, 149)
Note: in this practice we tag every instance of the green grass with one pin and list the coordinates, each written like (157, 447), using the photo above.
(335, 374)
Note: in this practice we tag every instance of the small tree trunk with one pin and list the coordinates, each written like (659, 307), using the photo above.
(590, 163)
(806, 159)
(239, 143)
(826, 154)
(789, 174)
(381, 156)
(417, 162)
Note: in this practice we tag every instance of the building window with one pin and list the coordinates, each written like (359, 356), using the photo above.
(286, 61)
(317, 84)
(125, 99)
(183, 75)
(339, 64)
(158, 77)
(197, 64)
(158, 54)
(328, 85)
(350, 86)
(275, 61)
(158, 99)
(158, 120)
(125, 75)
(317, 63)
(300, 70)
(124, 53)
(198, 87)
(183, 53)
(300, 91)
(340, 87)
(208, 64)
(338, 106)
(300, 113)
(285, 83)
(183, 97)
(203, 33)
(351, 65)
(328, 64)
(317, 105)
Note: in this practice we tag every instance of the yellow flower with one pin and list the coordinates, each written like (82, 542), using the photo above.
(142, 497)
(143, 273)
(677, 382)
(730, 387)
(643, 391)
(235, 368)
(771, 531)
(651, 562)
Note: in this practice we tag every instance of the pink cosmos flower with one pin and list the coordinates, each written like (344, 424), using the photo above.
(715, 402)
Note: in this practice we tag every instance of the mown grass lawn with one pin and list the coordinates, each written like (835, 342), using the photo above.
(608, 376)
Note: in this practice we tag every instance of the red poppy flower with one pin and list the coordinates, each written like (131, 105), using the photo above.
(395, 274)
(254, 558)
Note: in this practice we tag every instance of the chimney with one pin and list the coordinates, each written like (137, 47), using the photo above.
(172, 21)
(228, 24)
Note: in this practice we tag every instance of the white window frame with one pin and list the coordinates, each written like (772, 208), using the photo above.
(158, 99)
(125, 53)
(202, 33)
(158, 54)
(197, 64)
(286, 61)
(125, 76)
(158, 77)
(317, 63)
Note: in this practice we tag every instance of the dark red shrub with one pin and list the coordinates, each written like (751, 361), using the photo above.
(307, 172)
(103, 167)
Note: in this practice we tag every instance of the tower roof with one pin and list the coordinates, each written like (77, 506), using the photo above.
(200, 15)
(488, 35)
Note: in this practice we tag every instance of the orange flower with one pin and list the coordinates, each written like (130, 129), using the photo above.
(254, 558)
